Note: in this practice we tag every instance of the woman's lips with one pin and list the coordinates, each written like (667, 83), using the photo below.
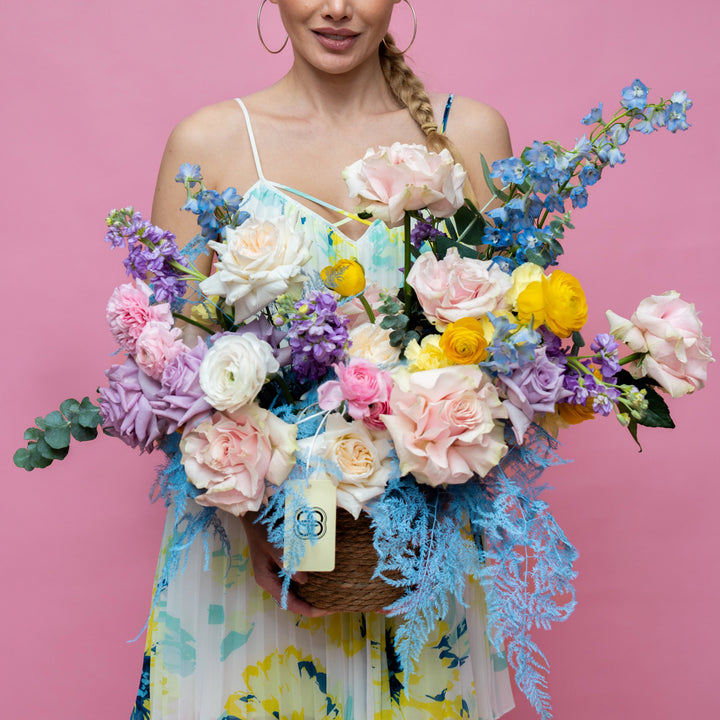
(336, 39)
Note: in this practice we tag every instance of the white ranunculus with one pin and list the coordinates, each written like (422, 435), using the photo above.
(234, 370)
(258, 262)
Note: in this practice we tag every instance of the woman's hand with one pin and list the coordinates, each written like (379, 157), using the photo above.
(266, 562)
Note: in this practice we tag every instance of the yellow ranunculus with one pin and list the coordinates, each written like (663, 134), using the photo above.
(558, 302)
(425, 355)
(345, 277)
(522, 276)
(463, 342)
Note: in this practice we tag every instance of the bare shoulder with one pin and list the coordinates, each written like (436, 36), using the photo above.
(207, 138)
(477, 129)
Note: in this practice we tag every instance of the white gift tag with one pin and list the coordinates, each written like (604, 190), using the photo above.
(315, 526)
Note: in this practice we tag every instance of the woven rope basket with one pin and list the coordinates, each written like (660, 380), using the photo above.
(350, 587)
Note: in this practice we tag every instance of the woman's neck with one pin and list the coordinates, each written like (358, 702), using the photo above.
(362, 90)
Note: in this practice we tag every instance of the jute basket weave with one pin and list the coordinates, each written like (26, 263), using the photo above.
(350, 587)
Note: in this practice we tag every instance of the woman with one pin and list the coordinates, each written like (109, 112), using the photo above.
(218, 645)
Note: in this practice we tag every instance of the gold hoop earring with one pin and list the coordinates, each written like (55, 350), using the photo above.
(282, 47)
(412, 40)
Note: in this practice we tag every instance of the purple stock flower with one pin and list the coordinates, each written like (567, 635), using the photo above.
(317, 336)
(607, 356)
(423, 231)
(126, 406)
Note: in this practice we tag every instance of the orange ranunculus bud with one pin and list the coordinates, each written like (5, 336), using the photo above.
(345, 277)
(575, 414)
(463, 342)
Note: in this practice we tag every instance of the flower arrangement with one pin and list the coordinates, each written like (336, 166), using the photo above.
(432, 407)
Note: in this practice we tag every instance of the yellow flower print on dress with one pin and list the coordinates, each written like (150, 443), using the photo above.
(284, 686)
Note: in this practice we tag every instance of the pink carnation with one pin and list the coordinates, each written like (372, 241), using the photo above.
(457, 287)
(231, 455)
(129, 311)
(157, 346)
(444, 424)
(362, 385)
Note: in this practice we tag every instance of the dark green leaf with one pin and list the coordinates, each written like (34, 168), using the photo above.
(58, 438)
(40, 422)
(22, 459)
(633, 428)
(577, 339)
(32, 433)
(48, 452)
(38, 460)
(89, 415)
(657, 413)
(55, 419)
(81, 433)
(442, 245)
(467, 252)
(410, 336)
(396, 337)
(69, 407)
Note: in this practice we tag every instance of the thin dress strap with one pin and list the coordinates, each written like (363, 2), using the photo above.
(251, 135)
(446, 114)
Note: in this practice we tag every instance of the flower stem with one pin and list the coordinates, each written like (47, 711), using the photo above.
(190, 321)
(408, 261)
(632, 358)
(280, 380)
(368, 309)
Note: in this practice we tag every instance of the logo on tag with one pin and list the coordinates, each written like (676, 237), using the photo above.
(311, 523)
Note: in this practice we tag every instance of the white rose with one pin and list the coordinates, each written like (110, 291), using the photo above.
(371, 342)
(359, 456)
(234, 370)
(258, 262)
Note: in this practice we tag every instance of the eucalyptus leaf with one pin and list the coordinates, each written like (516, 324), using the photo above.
(55, 419)
(22, 459)
(32, 433)
(49, 452)
(58, 437)
(396, 337)
(69, 407)
(82, 433)
(38, 460)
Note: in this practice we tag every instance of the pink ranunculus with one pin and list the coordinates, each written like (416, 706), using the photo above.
(444, 424)
(668, 330)
(129, 311)
(231, 455)
(457, 287)
(390, 180)
(360, 383)
(156, 346)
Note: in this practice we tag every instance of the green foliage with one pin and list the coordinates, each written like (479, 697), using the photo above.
(654, 413)
(50, 438)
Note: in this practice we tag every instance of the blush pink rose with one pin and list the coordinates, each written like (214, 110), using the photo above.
(390, 180)
(231, 455)
(667, 329)
(157, 346)
(457, 287)
(445, 424)
(361, 384)
(129, 311)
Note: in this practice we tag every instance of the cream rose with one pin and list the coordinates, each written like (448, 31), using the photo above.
(234, 370)
(358, 460)
(457, 287)
(231, 456)
(669, 333)
(258, 262)
(390, 180)
(371, 342)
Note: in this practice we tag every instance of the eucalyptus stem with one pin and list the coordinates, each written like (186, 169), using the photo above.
(408, 262)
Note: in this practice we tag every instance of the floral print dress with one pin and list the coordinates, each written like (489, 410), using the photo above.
(218, 647)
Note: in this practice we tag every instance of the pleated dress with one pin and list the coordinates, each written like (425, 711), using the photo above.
(219, 648)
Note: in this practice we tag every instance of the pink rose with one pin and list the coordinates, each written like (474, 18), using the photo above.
(669, 331)
(457, 287)
(156, 346)
(129, 311)
(444, 424)
(230, 457)
(390, 180)
(361, 384)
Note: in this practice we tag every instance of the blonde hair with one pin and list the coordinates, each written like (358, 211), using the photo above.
(409, 90)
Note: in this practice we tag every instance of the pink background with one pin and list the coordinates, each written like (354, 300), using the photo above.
(90, 92)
